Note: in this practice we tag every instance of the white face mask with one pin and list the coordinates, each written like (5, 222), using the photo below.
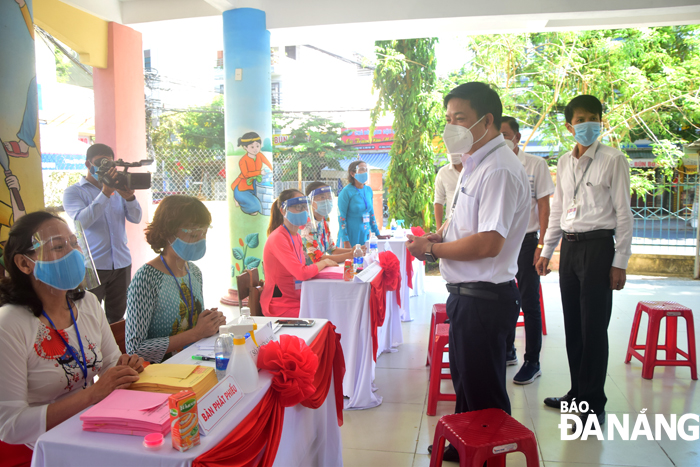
(456, 159)
(458, 139)
(511, 145)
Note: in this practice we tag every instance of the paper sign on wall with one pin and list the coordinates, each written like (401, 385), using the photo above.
(217, 403)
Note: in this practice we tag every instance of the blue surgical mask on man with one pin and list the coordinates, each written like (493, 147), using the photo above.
(587, 133)
(362, 178)
(324, 207)
(64, 273)
(190, 251)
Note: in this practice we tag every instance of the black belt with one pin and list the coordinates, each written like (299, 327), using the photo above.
(531, 235)
(484, 290)
(592, 235)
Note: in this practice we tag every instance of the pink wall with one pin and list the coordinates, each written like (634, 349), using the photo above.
(120, 118)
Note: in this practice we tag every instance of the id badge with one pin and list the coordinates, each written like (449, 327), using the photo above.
(297, 285)
(365, 218)
(571, 212)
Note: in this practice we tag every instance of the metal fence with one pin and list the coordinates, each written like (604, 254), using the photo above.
(202, 173)
(666, 219)
(193, 172)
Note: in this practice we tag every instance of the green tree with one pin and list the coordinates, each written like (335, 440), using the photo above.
(314, 141)
(406, 81)
(645, 77)
(194, 128)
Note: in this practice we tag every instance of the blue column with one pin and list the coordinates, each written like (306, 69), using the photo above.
(248, 107)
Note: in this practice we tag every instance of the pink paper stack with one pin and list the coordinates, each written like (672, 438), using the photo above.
(129, 413)
(335, 272)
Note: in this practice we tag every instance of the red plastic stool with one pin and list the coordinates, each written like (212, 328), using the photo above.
(658, 310)
(439, 316)
(441, 339)
(483, 436)
(544, 321)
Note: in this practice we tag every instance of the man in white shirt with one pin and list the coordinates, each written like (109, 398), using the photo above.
(591, 206)
(541, 186)
(478, 248)
(445, 184)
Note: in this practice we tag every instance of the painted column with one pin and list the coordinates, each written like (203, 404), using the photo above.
(21, 188)
(248, 107)
(120, 118)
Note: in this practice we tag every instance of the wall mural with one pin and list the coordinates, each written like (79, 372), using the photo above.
(19, 114)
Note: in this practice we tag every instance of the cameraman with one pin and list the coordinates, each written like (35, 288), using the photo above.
(102, 213)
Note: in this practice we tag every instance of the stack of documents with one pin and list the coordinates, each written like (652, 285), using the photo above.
(129, 413)
(171, 379)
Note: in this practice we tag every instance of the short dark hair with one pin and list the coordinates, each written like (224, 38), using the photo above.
(586, 102)
(512, 122)
(248, 139)
(172, 213)
(99, 149)
(483, 99)
(17, 288)
(314, 186)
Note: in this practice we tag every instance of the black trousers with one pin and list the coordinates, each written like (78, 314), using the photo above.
(112, 289)
(478, 332)
(584, 280)
(529, 286)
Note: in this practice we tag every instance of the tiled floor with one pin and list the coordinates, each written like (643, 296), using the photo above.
(398, 432)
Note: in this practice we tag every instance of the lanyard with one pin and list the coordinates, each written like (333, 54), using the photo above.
(322, 228)
(454, 201)
(576, 185)
(182, 294)
(83, 364)
(364, 198)
(299, 257)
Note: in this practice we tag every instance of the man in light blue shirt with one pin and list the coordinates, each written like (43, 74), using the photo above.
(102, 211)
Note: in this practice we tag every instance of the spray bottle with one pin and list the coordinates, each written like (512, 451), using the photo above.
(241, 365)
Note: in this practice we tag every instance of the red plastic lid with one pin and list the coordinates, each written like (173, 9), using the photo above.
(153, 440)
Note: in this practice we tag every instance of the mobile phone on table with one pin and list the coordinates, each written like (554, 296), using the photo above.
(306, 323)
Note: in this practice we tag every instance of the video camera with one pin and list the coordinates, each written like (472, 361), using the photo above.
(124, 180)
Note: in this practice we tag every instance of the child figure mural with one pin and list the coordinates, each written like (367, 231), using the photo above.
(251, 189)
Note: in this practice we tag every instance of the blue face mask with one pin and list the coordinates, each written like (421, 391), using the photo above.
(362, 178)
(324, 207)
(190, 251)
(63, 274)
(587, 133)
(298, 218)
(93, 170)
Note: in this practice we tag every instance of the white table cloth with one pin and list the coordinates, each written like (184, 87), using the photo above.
(418, 278)
(309, 437)
(398, 247)
(346, 305)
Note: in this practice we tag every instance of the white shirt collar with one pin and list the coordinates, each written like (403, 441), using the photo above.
(471, 161)
(590, 152)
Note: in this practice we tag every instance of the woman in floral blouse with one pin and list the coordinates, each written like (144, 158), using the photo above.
(319, 244)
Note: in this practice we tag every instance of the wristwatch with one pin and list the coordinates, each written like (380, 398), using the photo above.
(429, 254)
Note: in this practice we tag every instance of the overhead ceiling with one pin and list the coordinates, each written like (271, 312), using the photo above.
(297, 21)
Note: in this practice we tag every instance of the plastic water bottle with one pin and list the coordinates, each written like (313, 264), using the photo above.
(358, 259)
(393, 224)
(244, 317)
(222, 350)
(373, 250)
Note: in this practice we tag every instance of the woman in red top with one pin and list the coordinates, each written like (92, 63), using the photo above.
(284, 258)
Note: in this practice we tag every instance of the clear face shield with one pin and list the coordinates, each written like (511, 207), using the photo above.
(297, 212)
(190, 242)
(322, 201)
(62, 258)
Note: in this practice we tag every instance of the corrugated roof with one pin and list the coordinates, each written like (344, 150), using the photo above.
(376, 160)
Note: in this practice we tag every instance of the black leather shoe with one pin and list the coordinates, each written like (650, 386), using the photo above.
(600, 416)
(450, 454)
(555, 402)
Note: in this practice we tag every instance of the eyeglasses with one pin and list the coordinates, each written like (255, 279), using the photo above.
(362, 170)
(195, 232)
